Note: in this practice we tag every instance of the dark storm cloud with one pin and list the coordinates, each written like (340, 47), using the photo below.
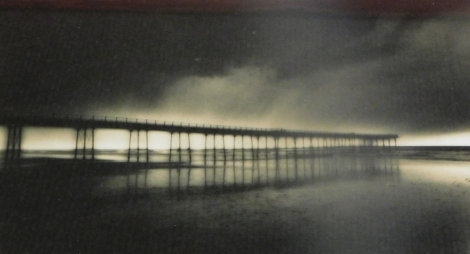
(391, 74)
(55, 58)
(51, 59)
(342, 7)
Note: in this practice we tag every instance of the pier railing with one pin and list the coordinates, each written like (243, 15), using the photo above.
(93, 121)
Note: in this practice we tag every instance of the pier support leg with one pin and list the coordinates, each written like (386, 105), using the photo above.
(295, 160)
(190, 161)
(286, 149)
(128, 179)
(214, 162)
(76, 143)
(13, 147)
(179, 161)
(257, 159)
(267, 160)
(304, 158)
(312, 159)
(138, 146)
(136, 184)
(147, 161)
(243, 161)
(225, 161)
(252, 161)
(170, 165)
(205, 161)
(85, 142)
(92, 144)
(276, 149)
(233, 161)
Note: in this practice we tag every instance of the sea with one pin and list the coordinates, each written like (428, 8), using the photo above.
(409, 200)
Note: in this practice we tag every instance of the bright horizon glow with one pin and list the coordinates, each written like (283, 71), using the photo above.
(447, 139)
(64, 139)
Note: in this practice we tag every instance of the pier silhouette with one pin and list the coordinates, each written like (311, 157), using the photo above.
(255, 158)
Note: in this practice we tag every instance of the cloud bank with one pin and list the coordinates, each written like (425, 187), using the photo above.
(402, 75)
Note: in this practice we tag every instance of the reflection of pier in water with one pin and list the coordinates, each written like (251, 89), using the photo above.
(232, 157)
(259, 169)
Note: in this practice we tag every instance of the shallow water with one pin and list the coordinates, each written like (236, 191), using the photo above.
(353, 205)
(423, 209)
(264, 172)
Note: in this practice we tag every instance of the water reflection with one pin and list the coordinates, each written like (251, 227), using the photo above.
(225, 171)
(348, 204)
(219, 170)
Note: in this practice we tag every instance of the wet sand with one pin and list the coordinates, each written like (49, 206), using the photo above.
(425, 209)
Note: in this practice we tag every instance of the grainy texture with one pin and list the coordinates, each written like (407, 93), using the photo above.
(413, 213)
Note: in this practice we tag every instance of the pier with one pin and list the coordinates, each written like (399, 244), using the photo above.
(231, 157)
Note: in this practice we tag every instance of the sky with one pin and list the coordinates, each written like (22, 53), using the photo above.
(368, 7)
(405, 74)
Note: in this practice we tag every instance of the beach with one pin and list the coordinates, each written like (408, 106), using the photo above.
(424, 208)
